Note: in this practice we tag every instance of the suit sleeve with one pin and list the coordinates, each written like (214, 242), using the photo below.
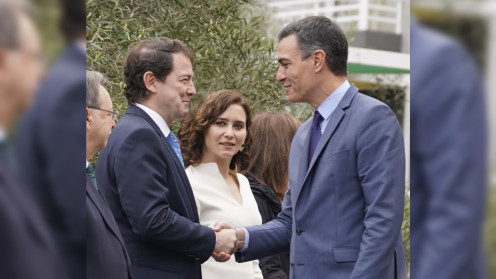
(381, 172)
(271, 266)
(143, 185)
(270, 238)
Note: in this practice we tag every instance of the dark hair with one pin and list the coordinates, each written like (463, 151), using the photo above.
(269, 153)
(195, 125)
(10, 11)
(93, 79)
(73, 19)
(153, 55)
(319, 32)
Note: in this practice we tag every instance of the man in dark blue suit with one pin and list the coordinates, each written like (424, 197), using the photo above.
(106, 254)
(51, 144)
(27, 249)
(141, 172)
(341, 216)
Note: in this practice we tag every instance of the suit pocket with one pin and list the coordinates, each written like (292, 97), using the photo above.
(344, 255)
(337, 155)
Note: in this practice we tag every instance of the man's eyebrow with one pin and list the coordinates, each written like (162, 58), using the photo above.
(282, 59)
(186, 75)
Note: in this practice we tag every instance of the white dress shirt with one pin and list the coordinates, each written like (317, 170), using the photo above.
(3, 134)
(162, 125)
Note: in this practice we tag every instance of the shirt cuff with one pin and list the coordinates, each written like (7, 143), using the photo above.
(247, 240)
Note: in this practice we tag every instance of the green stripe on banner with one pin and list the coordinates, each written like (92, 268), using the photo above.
(368, 69)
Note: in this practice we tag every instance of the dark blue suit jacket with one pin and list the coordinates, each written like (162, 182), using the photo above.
(27, 249)
(106, 254)
(448, 159)
(341, 216)
(52, 149)
(150, 196)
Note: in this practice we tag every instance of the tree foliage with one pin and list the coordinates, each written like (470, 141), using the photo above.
(231, 49)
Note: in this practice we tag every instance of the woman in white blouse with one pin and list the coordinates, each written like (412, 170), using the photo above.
(215, 138)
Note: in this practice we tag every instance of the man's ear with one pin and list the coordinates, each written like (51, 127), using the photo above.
(88, 118)
(150, 81)
(3, 61)
(318, 60)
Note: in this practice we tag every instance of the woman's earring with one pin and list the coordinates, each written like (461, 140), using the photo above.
(242, 148)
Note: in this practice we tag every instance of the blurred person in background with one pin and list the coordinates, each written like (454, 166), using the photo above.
(106, 254)
(215, 139)
(268, 175)
(26, 245)
(51, 143)
(448, 159)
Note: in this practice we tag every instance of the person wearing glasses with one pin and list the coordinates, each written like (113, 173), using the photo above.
(27, 245)
(106, 254)
(51, 143)
(100, 117)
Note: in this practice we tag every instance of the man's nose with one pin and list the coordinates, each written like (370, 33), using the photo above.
(281, 75)
(191, 90)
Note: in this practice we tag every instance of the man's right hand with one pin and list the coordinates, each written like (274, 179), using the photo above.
(229, 240)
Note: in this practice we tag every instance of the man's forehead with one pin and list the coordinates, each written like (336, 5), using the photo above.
(28, 35)
(288, 46)
(182, 64)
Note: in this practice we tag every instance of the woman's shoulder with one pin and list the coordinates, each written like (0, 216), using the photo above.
(243, 179)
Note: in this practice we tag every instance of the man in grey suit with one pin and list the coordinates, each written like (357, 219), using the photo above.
(342, 214)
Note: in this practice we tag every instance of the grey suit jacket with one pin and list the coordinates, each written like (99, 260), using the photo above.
(342, 214)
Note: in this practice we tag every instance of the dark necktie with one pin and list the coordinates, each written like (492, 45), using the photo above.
(91, 172)
(316, 133)
(175, 145)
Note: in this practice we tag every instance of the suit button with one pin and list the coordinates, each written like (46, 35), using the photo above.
(194, 258)
(299, 231)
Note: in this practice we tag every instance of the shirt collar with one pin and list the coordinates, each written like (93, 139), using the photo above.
(81, 45)
(87, 163)
(162, 125)
(3, 134)
(329, 105)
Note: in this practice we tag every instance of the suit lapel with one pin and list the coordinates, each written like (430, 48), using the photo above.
(170, 154)
(336, 117)
(102, 206)
(301, 147)
(333, 124)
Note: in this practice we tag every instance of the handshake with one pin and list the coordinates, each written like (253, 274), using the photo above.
(228, 241)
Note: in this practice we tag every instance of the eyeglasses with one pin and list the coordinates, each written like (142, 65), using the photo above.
(36, 56)
(114, 113)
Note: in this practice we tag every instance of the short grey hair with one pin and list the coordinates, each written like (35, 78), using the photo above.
(93, 79)
(10, 10)
(319, 32)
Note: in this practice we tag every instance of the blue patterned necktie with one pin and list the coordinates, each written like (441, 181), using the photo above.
(91, 172)
(175, 145)
(316, 133)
